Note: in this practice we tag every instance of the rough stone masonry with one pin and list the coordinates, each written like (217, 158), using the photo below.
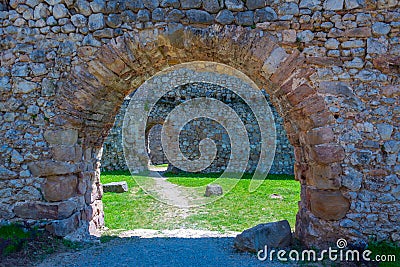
(331, 68)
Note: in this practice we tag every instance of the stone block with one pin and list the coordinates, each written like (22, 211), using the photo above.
(64, 227)
(57, 188)
(274, 235)
(328, 205)
(234, 5)
(50, 168)
(327, 153)
(116, 187)
(43, 210)
(333, 4)
(199, 16)
(61, 137)
(325, 176)
(321, 135)
(213, 190)
(272, 63)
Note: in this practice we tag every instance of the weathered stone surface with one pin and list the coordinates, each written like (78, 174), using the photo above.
(272, 63)
(213, 190)
(42, 210)
(380, 28)
(49, 168)
(321, 135)
(61, 137)
(64, 227)
(305, 36)
(151, 4)
(57, 188)
(189, 4)
(115, 187)
(352, 179)
(199, 16)
(254, 4)
(245, 18)
(265, 14)
(234, 5)
(96, 22)
(60, 11)
(6, 173)
(225, 17)
(212, 6)
(274, 235)
(377, 46)
(328, 205)
(333, 4)
(328, 153)
(325, 177)
(22, 86)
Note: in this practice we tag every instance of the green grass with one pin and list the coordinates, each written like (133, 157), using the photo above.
(13, 237)
(237, 210)
(385, 248)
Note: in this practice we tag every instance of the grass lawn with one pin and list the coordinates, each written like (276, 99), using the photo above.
(236, 211)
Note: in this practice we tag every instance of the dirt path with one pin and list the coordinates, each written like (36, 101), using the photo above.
(183, 247)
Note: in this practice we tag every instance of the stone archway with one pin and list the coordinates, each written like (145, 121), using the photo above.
(95, 88)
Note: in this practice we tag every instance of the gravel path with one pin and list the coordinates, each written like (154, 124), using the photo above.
(155, 248)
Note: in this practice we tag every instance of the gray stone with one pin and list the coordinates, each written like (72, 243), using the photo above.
(51, 21)
(351, 4)
(213, 190)
(211, 6)
(38, 55)
(333, 4)
(352, 44)
(116, 187)
(67, 48)
(385, 130)
(151, 4)
(16, 157)
(99, 6)
(273, 235)
(158, 14)
(234, 5)
(310, 4)
(60, 11)
(170, 3)
(199, 16)
(288, 9)
(391, 146)
(225, 17)
(245, 18)
(61, 137)
(128, 16)
(96, 22)
(175, 15)
(48, 87)
(79, 21)
(114, 20)
(20, 70)
(254, 4)
(380, 28)
(83, 7)
(51, 168)
(332, 44)
(5, 83)
(143, 15)
(305, 36)
(38, 69)
(356, 63)
(189, 4)
(273, 61)
(134, 5)
(90, 41)
(7, 174)
(352, 179)
(347, 223)
(104, 33)
(24, 86)
(265, 14)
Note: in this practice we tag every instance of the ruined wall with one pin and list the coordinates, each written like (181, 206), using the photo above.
(331, 68)
(113, 155)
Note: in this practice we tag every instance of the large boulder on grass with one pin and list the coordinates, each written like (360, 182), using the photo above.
(273, 235)
(213, 190)
(115, 187)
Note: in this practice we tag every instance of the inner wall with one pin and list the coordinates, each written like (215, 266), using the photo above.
(113, 156)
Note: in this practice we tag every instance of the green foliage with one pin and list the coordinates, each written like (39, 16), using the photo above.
(13, 237)
(385, 248)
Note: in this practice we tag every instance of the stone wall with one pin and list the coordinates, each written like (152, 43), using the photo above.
(331, 68)
(113, 156)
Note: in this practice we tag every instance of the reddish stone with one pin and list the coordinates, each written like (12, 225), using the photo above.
(391, 90)
(328, 205)
(387, 63)
(327, 153)
(292, 62)
(312, 104)
(299, 94)
(42, 210)
(325, 176)
(378, 172)
(320, 136)
(57, 188)
(321, 118)
(50, 168)
(358, 32)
